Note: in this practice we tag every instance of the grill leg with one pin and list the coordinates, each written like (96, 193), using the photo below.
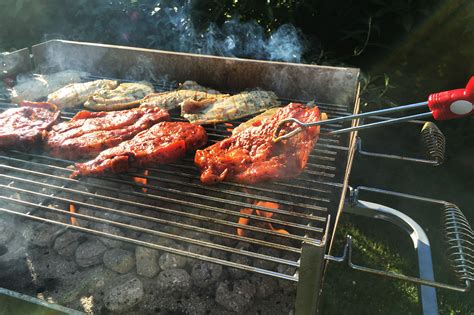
(310, 278)
(420, 240)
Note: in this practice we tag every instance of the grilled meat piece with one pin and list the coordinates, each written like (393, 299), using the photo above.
(250, 156)
(126, 95)
(75, 94)
(229, 108)
(23, 127)
(89, 133)
(173, 99)
(40, 85)
(163, 143)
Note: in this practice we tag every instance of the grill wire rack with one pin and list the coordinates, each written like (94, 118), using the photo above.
(169, 210)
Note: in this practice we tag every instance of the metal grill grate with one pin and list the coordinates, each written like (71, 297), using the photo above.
(170, 210)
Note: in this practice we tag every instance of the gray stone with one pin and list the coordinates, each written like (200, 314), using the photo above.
(124, 296)
(119, 260)
(147, 261)
(173, 281)
(90, 253)
(205, 273)
(236, 295)
(265, 286)
(67, 243)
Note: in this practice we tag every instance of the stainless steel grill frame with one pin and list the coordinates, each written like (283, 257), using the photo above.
(37, 187)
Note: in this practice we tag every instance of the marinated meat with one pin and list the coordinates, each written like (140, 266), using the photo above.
(23, 127)
(89, 133)
(163, 143)
(75, 94)
(250, 155)
(126, 95)
(203, 112)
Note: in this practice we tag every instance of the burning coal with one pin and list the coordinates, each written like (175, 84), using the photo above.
(265, 214)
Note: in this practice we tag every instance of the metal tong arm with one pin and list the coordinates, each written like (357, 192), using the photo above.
(277, 137)
(459, 236)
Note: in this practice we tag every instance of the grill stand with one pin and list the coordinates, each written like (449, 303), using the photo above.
(310, 276)
(420, 240)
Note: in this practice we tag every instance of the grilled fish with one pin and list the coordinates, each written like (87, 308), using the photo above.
(40, 85)
(75, 94)
(193, 85)
(229, 108)
(173, 99)
(126, 95)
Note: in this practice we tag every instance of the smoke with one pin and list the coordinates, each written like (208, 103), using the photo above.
(174, 30)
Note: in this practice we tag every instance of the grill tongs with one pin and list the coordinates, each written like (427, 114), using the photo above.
(442, 105)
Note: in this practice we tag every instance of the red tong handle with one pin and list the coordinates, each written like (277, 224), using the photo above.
(454, 103)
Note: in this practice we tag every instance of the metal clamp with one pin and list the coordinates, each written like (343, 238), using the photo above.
(458, 234)
(432, 138)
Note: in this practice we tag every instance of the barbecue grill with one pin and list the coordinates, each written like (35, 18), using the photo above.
(168, 209)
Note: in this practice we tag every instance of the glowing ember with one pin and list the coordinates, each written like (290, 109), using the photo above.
(229, 127)
(142, 180)
(72, 209)
(266, 214)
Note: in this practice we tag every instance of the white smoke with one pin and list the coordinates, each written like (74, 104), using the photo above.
(175, 30)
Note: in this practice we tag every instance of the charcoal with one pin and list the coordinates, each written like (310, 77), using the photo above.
(147, 261)
(90, 253)
(169, 261)
(265, 264)
(287, 286)
(205, 274)
(49, 265)
(172, 281)
(206, 251)
(235, 295)
(240, 259)
(13, 257)
(124, 296)
(119, 260)
(67, 243)
(86, 282)
(42, 235)
(265, 286)
(7, 231)
(110, 229)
